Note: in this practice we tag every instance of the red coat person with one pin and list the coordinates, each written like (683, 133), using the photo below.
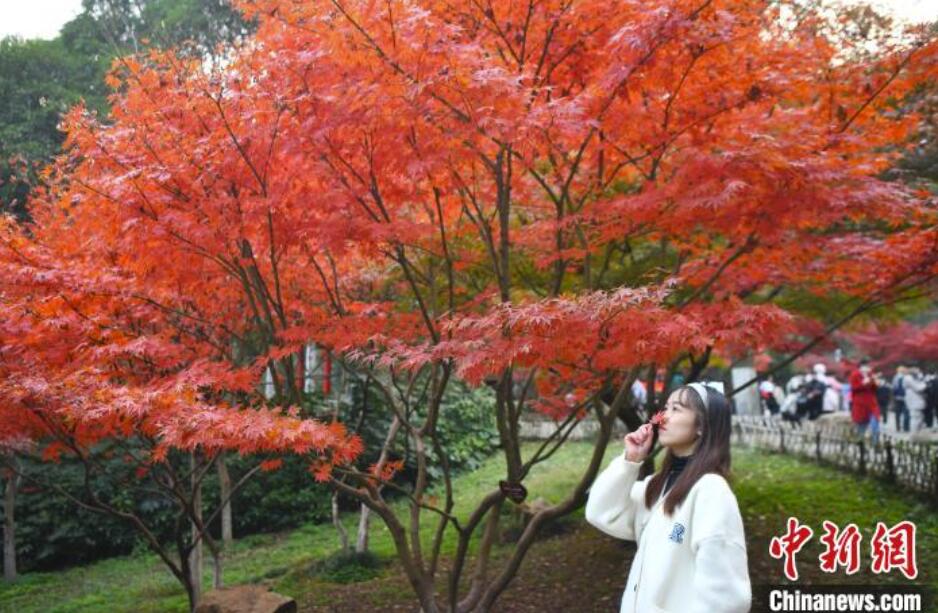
(863, 397)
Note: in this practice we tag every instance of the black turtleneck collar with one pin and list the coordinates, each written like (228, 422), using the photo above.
(677, 465)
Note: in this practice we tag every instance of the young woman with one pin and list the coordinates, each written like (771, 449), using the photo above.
(691, 553)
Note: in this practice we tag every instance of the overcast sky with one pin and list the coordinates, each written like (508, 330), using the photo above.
(43, 18)
(36, 18)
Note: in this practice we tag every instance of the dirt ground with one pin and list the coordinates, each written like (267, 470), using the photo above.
(580, 569)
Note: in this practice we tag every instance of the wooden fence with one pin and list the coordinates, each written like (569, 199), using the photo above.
(913, 465)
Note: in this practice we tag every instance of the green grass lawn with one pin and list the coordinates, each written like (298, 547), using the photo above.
(142, 583)
(577, 565)
(772, 487)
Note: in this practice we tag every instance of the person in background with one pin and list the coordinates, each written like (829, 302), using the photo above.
(639, 393)
(831, 398)
(811, 400)
(864, 408)
(659, 383)
(789, 407)
(793, 384)
(677, 380)
(915, 386)
(883, 396)
(767, 395)
(898, 400)
(931, 400)
(846, 394)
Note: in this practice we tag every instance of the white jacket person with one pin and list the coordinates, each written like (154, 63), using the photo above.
(915, 388)
(691, 555)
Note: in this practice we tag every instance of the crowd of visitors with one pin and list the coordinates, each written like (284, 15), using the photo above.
(869, 396)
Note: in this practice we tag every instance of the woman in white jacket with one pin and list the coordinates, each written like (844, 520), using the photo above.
(691, 553)
(915, 387)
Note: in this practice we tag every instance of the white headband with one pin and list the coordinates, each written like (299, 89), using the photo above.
(699, 388)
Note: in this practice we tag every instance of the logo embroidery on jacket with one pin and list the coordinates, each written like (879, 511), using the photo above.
(677, 533)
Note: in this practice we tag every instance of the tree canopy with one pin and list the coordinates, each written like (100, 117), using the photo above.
(559, 194)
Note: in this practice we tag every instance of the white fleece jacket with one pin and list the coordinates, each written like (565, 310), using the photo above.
(692, 562)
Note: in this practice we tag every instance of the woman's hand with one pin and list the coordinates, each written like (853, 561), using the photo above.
(638, 444)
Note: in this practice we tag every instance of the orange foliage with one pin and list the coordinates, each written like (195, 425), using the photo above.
(578, 188)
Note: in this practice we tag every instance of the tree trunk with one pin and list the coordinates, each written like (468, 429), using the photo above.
(337, 521)
(217, 563)
(364, 520)
(196, 555)
(489, 537)
(9, 526)
(224, 482)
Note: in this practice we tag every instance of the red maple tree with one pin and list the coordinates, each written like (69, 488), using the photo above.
(552, 197)
(892, 345)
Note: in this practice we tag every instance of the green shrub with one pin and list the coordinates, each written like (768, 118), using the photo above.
(52, 532)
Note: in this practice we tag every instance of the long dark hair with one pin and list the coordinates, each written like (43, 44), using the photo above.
(713, 449)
